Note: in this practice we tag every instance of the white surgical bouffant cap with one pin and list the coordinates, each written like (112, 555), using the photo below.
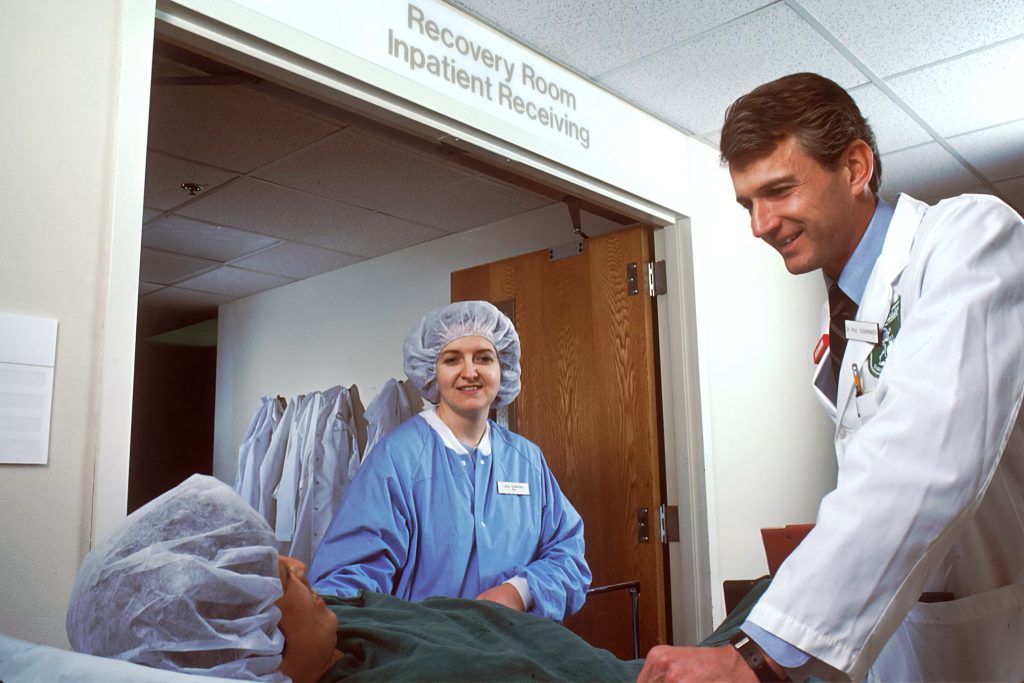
(187, 583)
(442, 326)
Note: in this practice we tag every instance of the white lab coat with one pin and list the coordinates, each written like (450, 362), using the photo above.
(273, 462)
(388, 409)
(328, 451)
(930, 490)
(286, 502)
(254, 448)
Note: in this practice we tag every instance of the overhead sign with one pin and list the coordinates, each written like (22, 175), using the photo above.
(430, 53)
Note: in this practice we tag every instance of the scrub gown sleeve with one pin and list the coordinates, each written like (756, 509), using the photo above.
(368, 540)
(558, 575)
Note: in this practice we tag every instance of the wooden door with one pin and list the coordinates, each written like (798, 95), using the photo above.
(590, 401)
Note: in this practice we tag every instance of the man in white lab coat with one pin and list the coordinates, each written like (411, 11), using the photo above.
(921, 366)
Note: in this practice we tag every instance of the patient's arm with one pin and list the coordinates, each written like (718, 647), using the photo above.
(504, 594)
(666, 663)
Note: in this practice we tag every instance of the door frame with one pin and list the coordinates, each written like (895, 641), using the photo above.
(681, 385)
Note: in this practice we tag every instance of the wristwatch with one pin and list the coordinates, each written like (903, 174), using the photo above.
(755, 658)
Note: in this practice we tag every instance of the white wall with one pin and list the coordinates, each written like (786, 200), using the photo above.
(69, 164)
(769, 457)
(348, 326)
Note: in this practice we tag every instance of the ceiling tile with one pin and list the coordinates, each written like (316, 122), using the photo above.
(893, 127)
(997, 152)
(189, 237)
(233, 282)
(165, 176)
(149, 214)
(364, 171)
(295, 260)
(692, 84)
(953, 98)
(467, 204)
(891, 36)
(148, 288)
(177, 299)
(1013, 190)
(273, 210)
(227, 126)
(165, 269)
(928, 171)
(596, 37)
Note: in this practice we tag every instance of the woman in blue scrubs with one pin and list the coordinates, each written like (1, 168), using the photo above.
(450, 503)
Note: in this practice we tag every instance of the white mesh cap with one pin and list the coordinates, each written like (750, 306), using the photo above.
(444, 325)
(187, 583)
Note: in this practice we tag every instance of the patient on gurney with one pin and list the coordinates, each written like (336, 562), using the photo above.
(192, 582)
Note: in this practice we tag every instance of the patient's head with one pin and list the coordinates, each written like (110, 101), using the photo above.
(190, 582)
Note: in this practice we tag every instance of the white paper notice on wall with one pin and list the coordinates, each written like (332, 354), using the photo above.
(28, 350)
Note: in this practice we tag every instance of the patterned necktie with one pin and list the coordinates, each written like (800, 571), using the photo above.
(840, 309)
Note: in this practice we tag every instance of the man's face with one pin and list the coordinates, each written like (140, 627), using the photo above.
(802, 209)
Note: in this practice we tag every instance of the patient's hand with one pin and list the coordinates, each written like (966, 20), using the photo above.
(504, 594)
(666, 663)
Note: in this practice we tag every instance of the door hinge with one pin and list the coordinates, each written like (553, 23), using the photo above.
(668, 527)
(657, 280)
(643, 526)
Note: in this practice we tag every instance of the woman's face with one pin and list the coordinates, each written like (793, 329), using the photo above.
(309, 628)
(468, 376)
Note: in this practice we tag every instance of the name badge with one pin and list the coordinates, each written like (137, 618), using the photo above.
(514, 488)
(857, 330)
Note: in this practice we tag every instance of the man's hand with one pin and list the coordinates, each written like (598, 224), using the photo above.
(504, 594)
(666, 663)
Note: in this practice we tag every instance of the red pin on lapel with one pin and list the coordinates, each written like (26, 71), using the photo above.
(820, 348)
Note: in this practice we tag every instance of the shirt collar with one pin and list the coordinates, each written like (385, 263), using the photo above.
(450, 442)
(854, 278)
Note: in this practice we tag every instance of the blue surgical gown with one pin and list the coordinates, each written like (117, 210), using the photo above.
(416, 521)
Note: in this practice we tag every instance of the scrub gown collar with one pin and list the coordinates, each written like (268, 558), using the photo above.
(450, 442)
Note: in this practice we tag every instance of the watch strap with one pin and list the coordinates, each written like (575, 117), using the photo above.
(755, 658)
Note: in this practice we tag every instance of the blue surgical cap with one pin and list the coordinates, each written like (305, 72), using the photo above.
(187, 583)
(442, 326)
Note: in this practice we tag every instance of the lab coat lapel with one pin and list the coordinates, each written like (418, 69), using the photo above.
(878, 295)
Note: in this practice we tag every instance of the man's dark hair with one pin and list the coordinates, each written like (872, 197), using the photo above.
(822, 116)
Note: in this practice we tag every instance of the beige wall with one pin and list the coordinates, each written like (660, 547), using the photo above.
(769, 457)
(63, 155)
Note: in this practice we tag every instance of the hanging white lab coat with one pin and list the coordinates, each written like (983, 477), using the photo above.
(930, 490)
(286, 492)
(327, 452)
(253, 449)
(273, 462)
(388, 409)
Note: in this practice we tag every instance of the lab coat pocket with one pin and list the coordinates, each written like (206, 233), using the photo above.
(867, 406)
(969, 639)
